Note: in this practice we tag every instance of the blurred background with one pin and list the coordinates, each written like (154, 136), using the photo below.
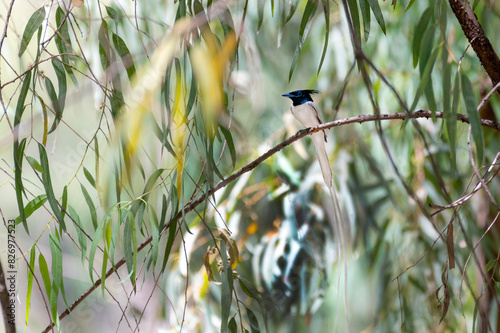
(118, 115)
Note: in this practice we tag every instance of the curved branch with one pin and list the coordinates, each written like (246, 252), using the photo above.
(477, 38)
(252, 165)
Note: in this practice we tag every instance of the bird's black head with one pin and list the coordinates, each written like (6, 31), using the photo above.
(299, 97)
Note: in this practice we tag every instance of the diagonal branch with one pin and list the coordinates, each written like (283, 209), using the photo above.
(477, 38)
(191, 205)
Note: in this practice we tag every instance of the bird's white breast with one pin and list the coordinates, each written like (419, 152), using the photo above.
(306, 114)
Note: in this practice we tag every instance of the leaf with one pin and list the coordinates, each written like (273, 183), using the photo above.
(154, 233)
(64, 202)
(419, 33)
(326, 11)
(365, 12)
(89, 177)
(130, 246)
(34, 163)
(45, 121)
(260, 13)
(232, 327)
(47, 184)
(105, 52)
(226, 288)
(32, 206)
(124, 53)
(450, 112)
(95, 243)
(309, 11)
(63, 43)
(475, 122)
(377, 13)
(55, 104)
(254, 323)
(82, 239)
(410, 4)
(171, 236)
(113, 13)
(353, 8)
(425, 79)
(34, 23)
(58, 102)
(19, 149)
(116, 99)
(44, 271)
(90, 204)
(230, 143)
(31, 270)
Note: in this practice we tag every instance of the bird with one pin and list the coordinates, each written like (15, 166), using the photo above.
(306, 112)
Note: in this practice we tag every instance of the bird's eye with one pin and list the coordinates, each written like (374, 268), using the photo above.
(299, 94)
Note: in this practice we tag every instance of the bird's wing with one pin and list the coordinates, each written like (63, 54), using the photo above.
(318, 116)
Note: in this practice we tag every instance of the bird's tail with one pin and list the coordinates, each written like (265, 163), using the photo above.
(326, 170)
(324, 163)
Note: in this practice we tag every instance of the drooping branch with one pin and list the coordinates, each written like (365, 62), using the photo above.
(477, 38)
(252, 165)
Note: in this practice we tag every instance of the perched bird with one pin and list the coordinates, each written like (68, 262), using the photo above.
(306, 112)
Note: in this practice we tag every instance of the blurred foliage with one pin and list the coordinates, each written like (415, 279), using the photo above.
(125, 113)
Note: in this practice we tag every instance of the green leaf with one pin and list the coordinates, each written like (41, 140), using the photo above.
(29, 287)
(124, 53)
(58, 102)
(105, 51)
(326, 11)
(55, 104)
(365, 12)
(32, 206)
(309, 11)
(254, 323)
(230, 143)
(89, 177)
(19, 149)
(130, 246)
(34, 163)
(449, 113)
(474, 120)
(232, 327)
(63, 43)
(113, 13)
(260, 13)
(410, 4)
(425, 79)
(155, 235)
(44, 271)
(64, 202)
(377, 13)
(419, 33)
(47, 184)
(57, 269)
(104, 269)
(95, 243)
(82, 239)
(34, 23)
(90, 204)
(353, 8)
(116, 99)
(171, 236)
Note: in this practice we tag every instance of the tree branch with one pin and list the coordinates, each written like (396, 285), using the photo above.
(477, 38)
(252, 165)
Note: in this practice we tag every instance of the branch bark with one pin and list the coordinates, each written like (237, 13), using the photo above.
(252, 165)
(477, 38)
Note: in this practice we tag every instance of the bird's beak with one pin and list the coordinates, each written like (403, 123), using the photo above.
(286, 95)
